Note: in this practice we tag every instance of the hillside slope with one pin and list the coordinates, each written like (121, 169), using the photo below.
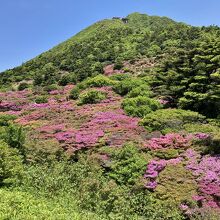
(120, 122)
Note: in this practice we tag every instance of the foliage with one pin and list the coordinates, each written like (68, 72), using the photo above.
(67, 79)
(140, 106)
(10, 164)
(127, 85)
(50, 88)
(191, 74)
(98, 81)
(142, 90)
(176, 184)
(41, 99)
(6, 119)
(79, 162)
(17, 205)
(74, 94)
(91, 97)
(127, 164)
(23, 86)
(14, 136)
(170, 120)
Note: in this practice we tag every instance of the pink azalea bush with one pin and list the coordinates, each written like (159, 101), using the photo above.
(175, 141)
(154, 168)
(207, 172)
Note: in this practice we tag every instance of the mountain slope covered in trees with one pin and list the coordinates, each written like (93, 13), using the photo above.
(121, 121)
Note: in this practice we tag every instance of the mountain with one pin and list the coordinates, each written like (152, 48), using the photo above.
(105, 41)
(119, 122)
(113, 41)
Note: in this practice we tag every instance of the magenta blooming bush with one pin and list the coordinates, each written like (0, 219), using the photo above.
(9, 106)
(100, 125)
(202, 136)
(207, 172)
(153, 170)
(88, 138)
(163, 101)
(64, 136)
(169, 141)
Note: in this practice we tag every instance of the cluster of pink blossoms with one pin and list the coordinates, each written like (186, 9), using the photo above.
(153, 170)
(207, 172)
(110, 123)
(27, 119)
(169, 141)
(9, 106)
(202, 136)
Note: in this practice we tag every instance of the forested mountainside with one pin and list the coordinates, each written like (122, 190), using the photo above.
(122, 121)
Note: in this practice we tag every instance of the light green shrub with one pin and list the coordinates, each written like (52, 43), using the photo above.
(11, 167)
(91, 97)
(140, 106)
(41, 99)
(143, 90)
(126, 85)
(170, 120)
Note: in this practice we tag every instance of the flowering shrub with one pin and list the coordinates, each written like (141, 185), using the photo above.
(86, 138)
(52, 128)
(207, 172)
(24, 120)
(175, 141)
(64, 136)
(154, 168)
(7, 106)
(202, 136)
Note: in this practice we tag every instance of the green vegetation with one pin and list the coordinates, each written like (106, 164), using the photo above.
(170, 120)
(41, 99)
(127, 85)
(91, 97)
(22, 86)
(147, 147)
(97, 81)
(140, 106)
(10, 165)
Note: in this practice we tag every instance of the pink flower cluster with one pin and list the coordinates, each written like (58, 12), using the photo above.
(207, 172)
(202, 136)
(87, 138)
(153, 170)
(163, 101)
(9, 106)
(27, 119)
(169, 141)
(64, 136)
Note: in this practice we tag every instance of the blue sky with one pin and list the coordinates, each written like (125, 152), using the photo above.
(30, 27)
